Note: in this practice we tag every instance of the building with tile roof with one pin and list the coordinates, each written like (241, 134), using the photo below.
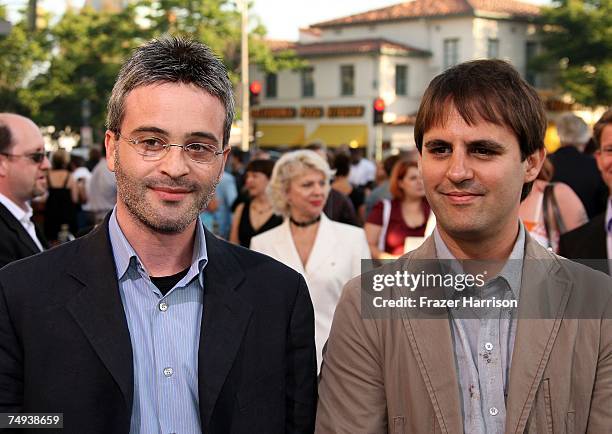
(390, 53)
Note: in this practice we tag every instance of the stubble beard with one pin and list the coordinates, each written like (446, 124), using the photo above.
(132, 192)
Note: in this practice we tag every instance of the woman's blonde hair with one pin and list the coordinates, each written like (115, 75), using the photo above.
(288, 167)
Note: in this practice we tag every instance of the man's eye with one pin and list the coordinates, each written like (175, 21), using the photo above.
(483, 151)
(151, 143)
(198, 147)
(440, 150)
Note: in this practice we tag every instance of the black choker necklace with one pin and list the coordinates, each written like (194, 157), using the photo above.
(305, 224)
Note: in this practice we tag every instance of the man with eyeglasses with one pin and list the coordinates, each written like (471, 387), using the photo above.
(23, 169)
(150, 324)
(592, 242)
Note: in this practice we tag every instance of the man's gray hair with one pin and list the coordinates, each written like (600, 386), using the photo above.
(572, 130)
(172, 60)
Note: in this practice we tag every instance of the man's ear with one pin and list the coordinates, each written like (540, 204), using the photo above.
(533, 164)
(110, 143)
(3, 165)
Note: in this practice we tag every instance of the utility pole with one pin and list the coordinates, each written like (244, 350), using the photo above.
(32, 15)
(244, 47)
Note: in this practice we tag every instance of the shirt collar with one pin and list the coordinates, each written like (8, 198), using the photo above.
(16, 210)
(512, 270)
(125, 255)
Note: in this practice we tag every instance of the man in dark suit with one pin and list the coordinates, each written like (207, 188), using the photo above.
(23, 169)
(150, 324)
(592, 242)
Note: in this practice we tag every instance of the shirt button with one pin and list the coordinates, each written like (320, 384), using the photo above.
(493, 411)
(163, 306)
(168, 372)
(488, 346)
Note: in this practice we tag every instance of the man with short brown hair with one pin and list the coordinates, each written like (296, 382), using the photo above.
(542, 360)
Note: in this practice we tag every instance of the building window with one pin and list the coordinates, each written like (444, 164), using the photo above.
(451, 52)
(308, 82)
(347, 80)
(493, 48)
(401, 79)
(531, 50)
(271, 81)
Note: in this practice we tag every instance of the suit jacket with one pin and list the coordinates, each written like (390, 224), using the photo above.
(65, 344)
(398, 375)
(334, 260)
(580, 172)
(589, 241)
(16, 242)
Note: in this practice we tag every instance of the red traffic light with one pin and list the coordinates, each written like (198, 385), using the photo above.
(379, 105)
(255, 87)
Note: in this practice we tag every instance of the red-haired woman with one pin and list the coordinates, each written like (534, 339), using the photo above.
(406, 215)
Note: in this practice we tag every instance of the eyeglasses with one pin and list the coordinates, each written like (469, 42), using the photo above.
(153, 149)
(36, 157)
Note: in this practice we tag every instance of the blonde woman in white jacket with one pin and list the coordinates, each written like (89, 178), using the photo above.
(327, 253)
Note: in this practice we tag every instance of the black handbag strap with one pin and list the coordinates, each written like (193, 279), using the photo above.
(549, 199)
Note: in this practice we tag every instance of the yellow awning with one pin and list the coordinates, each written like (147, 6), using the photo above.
(280, 134)
(340, 134)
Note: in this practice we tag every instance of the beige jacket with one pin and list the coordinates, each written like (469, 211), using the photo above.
(398, 375)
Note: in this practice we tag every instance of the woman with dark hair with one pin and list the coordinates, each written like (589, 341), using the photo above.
(551, 209)
(357, 195)
(406, 215)
(255, 215)
(60, 206)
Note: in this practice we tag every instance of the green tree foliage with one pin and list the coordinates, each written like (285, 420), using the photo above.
(577, 37)
(50, 74)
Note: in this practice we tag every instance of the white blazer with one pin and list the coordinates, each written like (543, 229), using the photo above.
(335, 259)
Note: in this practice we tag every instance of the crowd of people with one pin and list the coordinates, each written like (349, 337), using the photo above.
(208, 290)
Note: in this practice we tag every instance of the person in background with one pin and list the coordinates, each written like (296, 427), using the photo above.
(60, 206)
(593, 241)
(94, 157)
(406, 215)
(255, 215)
(363, 171)
(357, 195)
(221, 217)
(576, 169)
(337, 206)
(23, 168)
(327, 253)
(382, 190)
(81, 175)
(551, 209)
(102, 193)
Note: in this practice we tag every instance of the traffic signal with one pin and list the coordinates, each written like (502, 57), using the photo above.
(254, 92)
(379, 111)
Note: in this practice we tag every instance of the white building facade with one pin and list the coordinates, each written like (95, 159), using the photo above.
(390, 53)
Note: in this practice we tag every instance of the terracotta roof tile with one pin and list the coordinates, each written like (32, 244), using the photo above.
(352, 47)
(434, 8)
(279, 44)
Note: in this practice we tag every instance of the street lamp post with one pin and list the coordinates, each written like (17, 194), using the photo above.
(244, 47)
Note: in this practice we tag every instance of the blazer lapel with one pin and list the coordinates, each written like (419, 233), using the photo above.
(323, 246)
(543, 299)
(286, 250)
(19, 230)
(224, 322)
(430, 337)
(98, 309)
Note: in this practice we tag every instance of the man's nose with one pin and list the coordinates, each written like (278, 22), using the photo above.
(459, 168)
(174, 162)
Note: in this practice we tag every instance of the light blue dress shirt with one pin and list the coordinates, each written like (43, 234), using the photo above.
(165, 336)
(483, 346)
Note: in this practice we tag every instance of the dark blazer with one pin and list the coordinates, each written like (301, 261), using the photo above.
(580, 172)
(588, 242)
(65, 344)
(15, 242)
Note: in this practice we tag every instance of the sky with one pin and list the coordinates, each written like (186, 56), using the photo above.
(281, 18)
